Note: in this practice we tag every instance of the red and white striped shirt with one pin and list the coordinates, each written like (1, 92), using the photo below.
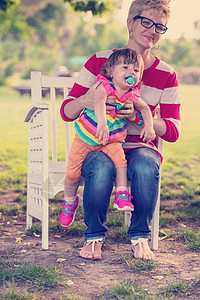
(160, 87)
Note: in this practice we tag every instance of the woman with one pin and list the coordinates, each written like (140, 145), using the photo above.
(147, 20)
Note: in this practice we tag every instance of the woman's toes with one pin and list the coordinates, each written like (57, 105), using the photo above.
(137, 251)
(86, 251)
(97, 250)
(142, 250)
(147, 253)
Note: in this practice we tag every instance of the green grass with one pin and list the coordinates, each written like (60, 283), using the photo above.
(132, 290)
(191, 238)
(72, 297)
(41, 277)
(14, 142)
(188, 145)
(181, 288)
(188, 211)
(138, 264)
(13, 155)
(11, 291)
(181, 167)
(128, 290)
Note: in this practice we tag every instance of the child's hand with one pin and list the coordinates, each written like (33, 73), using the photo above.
(102, 133)
(148, 134)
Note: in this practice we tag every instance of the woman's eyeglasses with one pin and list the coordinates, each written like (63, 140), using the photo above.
(148, 23)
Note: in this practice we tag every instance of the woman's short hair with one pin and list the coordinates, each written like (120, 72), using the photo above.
(138, 6)
(123, 56)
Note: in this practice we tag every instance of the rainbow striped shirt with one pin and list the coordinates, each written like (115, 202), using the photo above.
(86, 126)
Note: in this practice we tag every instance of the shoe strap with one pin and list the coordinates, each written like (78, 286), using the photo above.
(127, 196)
(68, 205)
(67, 209)
(139, 241)
(93, 243)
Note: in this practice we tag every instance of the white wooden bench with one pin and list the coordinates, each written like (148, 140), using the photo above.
(45, 177)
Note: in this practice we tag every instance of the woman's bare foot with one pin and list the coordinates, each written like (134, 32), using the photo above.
(142, 250)
(91, 250)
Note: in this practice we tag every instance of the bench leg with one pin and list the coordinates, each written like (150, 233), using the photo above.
(45, 221)
(155, 225)
(45, 233)
(127, 218)
(28, 221)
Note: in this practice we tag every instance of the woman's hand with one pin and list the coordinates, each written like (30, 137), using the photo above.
(87, 100)
(73, 108)
(127, 112)
(109, 103)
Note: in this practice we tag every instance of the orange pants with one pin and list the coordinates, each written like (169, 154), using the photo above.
(80, 150)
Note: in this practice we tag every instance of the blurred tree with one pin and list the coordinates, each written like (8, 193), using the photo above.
(90, 34)
(179, 53)
(14, 32)
(12, 24)
(49, 23)
(49, 31)
(4, 4)
(95, 6)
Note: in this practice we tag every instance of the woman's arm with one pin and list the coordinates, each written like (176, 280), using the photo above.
(169, 126)
(73, 108)
(158, 124)
(82, 94)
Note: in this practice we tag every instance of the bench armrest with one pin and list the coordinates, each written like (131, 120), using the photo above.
(34, 108)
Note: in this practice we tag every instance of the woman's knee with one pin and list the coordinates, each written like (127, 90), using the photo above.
(143, 163)
(97, 164)
(99, 172)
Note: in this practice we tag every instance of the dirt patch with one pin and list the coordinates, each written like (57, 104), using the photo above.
(91, 279)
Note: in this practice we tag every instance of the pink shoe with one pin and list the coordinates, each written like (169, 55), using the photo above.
(68, 213)
(123, 201)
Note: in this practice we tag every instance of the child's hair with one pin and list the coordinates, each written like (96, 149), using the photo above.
(123, 56)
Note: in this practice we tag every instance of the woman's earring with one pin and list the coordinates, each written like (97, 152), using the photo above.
(130, 34)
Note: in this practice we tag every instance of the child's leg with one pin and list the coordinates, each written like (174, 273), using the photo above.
(122, 197)
(116, 153)
(70, 203)
(78, 153)
(70, 190)
(121, 179)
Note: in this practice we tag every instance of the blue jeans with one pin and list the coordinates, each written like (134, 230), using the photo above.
(99, 172)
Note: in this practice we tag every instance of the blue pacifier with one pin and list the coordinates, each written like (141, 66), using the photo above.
(130, 80)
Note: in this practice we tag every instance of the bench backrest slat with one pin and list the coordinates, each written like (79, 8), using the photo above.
(53, 123)
(55, 84)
